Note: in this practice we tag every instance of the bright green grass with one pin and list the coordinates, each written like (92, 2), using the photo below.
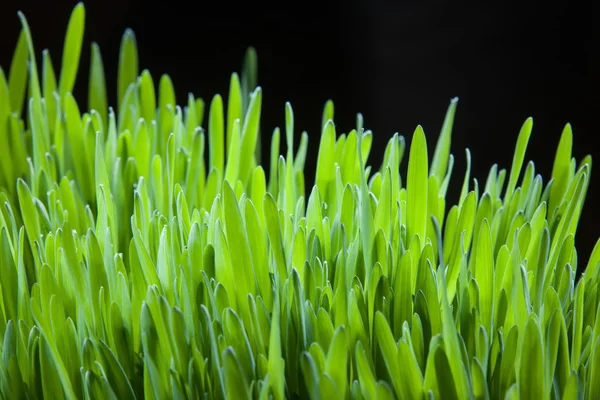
(130, 268)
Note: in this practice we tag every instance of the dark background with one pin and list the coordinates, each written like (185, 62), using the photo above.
(397, 62)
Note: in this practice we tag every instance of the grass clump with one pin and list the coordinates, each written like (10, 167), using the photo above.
(132, 268)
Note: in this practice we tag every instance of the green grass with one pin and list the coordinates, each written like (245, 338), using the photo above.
(130, 267)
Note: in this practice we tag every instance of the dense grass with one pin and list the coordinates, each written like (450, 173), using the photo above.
(130, 267)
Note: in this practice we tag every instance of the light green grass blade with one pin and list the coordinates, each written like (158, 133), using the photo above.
(249, 76)
(365, 374)
(250, 134)
(484, 275)
(166, 93)
(290, 187)
(275, 235)
(531, 372)
(416, 186)
(300, 158)
(411, 373)
(97, 85)
(34, 82)
(328, 111)
(248, 85)
(450, 334)
(236, 234)
(276, 363)
(389, 351)
(325, 173)
(17, 79)
(442, 148)
(234, 106)
(366, 214)
(147, 96)
(216, 134)
(337, 357)
(72, 50)
(49, 89)
(6, 167)
(128, 65)
(560, 169)
(519, 156)
(232, 169)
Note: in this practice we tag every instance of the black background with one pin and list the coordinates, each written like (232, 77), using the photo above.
(397, 62)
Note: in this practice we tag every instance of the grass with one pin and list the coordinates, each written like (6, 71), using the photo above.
(131, 266)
